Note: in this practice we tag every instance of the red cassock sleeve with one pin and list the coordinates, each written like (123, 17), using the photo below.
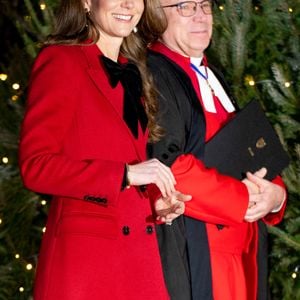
(217, 198)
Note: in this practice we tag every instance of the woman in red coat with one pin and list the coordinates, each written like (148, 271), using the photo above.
(219, 232)
(78, 134)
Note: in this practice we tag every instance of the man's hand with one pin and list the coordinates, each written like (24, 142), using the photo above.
(269, 197)
(252, 187)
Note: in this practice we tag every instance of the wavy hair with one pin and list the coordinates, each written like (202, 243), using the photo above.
(74, 25)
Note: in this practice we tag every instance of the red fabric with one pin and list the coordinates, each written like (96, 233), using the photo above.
(207, 188)
(74, 144)
(249, 261)
(219, 199)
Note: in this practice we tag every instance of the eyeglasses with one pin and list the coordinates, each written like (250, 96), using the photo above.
(189, 8)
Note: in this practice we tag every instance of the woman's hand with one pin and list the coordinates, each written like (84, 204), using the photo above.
(269, 197)
(169, 208)
(152, 171)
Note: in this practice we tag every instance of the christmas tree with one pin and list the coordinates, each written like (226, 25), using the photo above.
(255, 43)
(22, 213)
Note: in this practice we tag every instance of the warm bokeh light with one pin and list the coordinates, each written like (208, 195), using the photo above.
(287, 84)
(249, 80)
(3, 76)
(5, 160)
(15, 86)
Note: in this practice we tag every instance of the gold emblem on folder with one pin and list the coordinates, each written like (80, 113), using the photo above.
(261, 143)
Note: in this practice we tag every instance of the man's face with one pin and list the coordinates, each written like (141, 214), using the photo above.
(189, 36)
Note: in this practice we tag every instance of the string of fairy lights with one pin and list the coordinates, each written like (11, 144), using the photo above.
(16, 87)
(4, 160)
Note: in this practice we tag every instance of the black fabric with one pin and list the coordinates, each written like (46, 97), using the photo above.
(173, 252)
(130, 78)
(124, 183)
(263, 291)
(180, 112)
(248, 143)
(182, 118)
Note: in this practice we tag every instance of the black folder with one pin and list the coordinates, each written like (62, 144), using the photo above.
(247, 143)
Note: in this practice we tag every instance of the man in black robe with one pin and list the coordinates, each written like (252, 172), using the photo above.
(189, 119)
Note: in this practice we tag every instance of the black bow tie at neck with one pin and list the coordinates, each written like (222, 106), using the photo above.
(130, 78)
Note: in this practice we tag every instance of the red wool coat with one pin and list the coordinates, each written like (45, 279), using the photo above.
(100, 241)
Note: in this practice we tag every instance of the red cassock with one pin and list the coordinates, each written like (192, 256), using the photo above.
(233, 249)
(100, 242)
(220, 199)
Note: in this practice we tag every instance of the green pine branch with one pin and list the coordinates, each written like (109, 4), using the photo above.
(293, 242)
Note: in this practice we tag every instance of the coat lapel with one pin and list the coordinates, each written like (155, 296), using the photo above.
(100, 79)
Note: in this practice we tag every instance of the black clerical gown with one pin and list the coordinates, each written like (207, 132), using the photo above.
(187, 136)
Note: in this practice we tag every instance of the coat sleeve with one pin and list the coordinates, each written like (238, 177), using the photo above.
(216, 198)
(52, 101)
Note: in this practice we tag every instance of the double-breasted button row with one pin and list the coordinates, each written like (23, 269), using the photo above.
(149, 229)
(126, 230)
(95, 199)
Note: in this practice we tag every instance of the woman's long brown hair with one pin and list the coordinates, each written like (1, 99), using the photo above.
(74, 26)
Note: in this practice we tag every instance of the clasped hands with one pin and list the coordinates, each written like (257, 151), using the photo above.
(264, 195)
(172, 203)
(170, 207)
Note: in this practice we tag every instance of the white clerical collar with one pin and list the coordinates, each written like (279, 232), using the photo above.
(197, 61)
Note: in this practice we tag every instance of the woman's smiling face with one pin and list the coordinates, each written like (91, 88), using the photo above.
(116, 18)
